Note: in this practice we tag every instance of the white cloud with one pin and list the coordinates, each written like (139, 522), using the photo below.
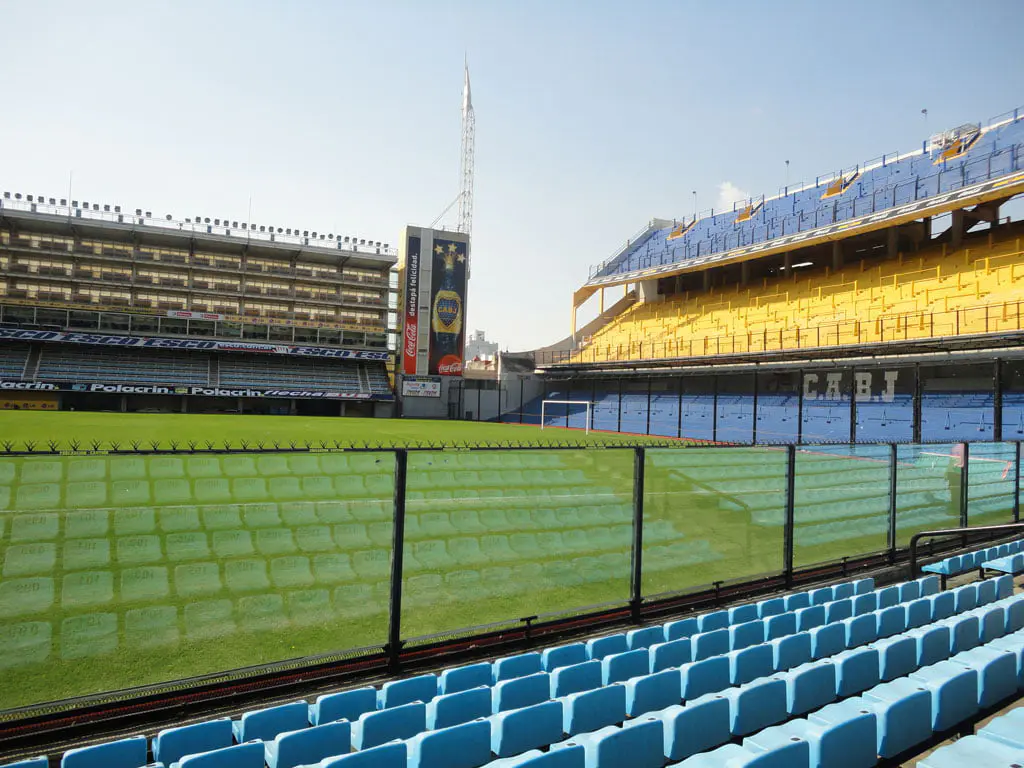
(729, 193)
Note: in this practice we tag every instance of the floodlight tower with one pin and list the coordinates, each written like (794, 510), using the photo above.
(466, 163)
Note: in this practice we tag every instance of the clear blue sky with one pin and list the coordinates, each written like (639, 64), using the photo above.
(592, 117)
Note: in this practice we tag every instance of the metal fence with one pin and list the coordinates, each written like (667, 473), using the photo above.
(139, 569)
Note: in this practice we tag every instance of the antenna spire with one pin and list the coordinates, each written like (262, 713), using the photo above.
(467, 161)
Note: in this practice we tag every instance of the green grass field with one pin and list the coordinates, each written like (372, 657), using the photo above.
(41, 427)
(127, 570)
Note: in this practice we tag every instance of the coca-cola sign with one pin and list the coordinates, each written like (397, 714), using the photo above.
(412, 289)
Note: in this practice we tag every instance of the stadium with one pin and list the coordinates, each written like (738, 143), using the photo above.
(761, 507)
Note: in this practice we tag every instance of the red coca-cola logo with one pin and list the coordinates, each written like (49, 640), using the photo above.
(410, 339)
(450, 365)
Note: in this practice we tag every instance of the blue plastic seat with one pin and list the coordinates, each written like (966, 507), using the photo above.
(973, 750)
(966, 597)
(519, 730)
(575, 678)
(840, 734)
(857, 670)
(929, 585)
(392, 755)
(1006, 729)
(891, 621)
(591, 710)
(997, 673)
(827, 640)
(32, 762)
(865, 604)
(464, 678)
(699, 725)
(622, 666)
(511, 667)
(756, 705)
(909, 590)
(460, 746)
(520, 692)
(266, 723)
(790, 651)
(821, 595)
(644, 638)
(992, 621)
(347, 705)
(397, 692)
(943, 605)
(709, 622)
(450, 709)
(375, 728)
(888, 596)
(308, 745)
(740, 614)
(637, 745)
(809, 686)
(599, 647)
(965, 632)
(987, 591)
(675, 653)
(750, 663)
(172, 744)
(123, 753)
(917, 613)
(837, 610)
(780, 626)
(567, 757)
(953, 689)
(903, 714)
(704, 645)
(647, 693)
(248, 755)
(810, 617)
(790, 603)
(706, 676)
(897, 656)
(563, 656)
(675, 630)
(747, 634)
(843, 590)
(792, 755)
(860, 630)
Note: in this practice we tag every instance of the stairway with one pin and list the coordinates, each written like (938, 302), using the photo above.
(214, 371)
(31, 370)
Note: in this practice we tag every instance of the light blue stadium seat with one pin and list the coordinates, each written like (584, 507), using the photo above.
(622, 666)
(511, 667)
(647, 693)
(897, 656)
(917, 613)
(997, 673)
(375, 728)
(674, 653)
(865, 604)
(943, 605)
(840, 734)
(953, 689)
(1004, 585)
(794, 755)
(266, 723)
(463, 678)
(891, 621)
(773, 606)
(837, 610)
(756, 705)
(821, 595)
(860, 630)
(809, 617)
(903, 714)
(704, 645)
(965, 632)
(450, 709)
(857, 670)
(397, 692)
(347, 705)
(1006, 729)
(973, 750)
(966, 597)
(248, 755)
(584, 676)
(749, 664)
(172, 744)
(393, 755)
(827, 640)
(714, 620)
(567, 757)
(740, 614)
(863, 586)
(460, 746)
(520, 692)
(809, 686)
(706, 676)
(519, 730)
(639, 745)
(888, 596)
(987, 592)
(697, 726)
(563, 656)
(746, 634)
(675, 630)
(790, 651)
(644, 638)
(909, 590)
(32, 762)
(599, 647)
(780, 626)
(123, 753)
(933, 642)
(929, 585)
(843, 591)
(309, 745)
(591, 710)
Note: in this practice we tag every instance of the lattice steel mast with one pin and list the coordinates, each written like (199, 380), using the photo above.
(466, 163)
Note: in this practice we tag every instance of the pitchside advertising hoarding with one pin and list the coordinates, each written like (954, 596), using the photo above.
(433, 265)
(120, 388)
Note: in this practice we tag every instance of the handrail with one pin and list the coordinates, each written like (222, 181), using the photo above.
(955, 532)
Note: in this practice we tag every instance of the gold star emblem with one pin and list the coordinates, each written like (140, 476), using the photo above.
(438, 249)
(452, 248)
(462, 258)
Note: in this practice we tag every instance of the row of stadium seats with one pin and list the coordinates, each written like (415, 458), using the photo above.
(793, 311)
(1001, 742)
(997, 152)
(956, 564)
(80, 364)
(618, 712)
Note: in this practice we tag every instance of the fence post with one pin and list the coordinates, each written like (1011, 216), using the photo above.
(394, 644)
(965, 479)
(893, 453)
(637, 553)
(788, 525)
(1016, 483)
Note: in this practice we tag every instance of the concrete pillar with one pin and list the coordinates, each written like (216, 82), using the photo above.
(647, 291)
(926, 228)
(124, 403)
(787, 261)
(837, 255)
(184, 403)
(601, 300)
(707, 279)
(957, 232)
(239, 405)
(744, 273)
(891, 242)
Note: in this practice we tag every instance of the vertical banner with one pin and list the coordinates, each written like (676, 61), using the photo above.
(410, 334)
(447, 307)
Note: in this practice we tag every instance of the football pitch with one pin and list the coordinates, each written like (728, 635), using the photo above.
(127, 570)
